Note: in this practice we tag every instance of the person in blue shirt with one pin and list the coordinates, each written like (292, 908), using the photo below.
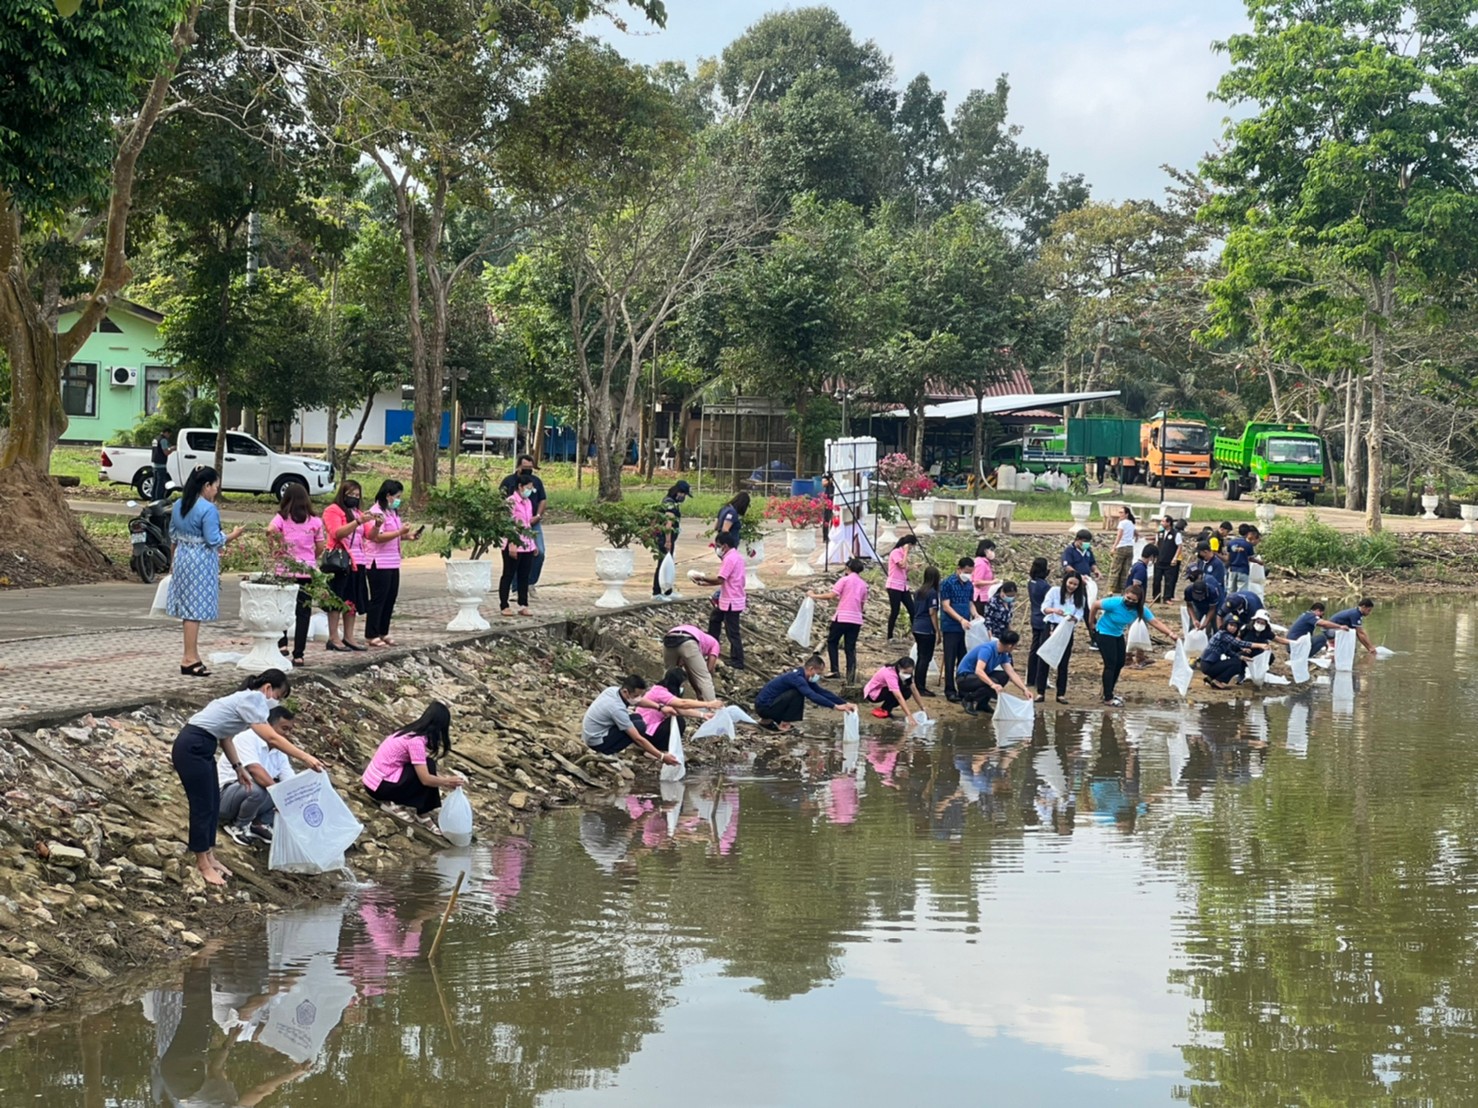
(1240, 606)
(194, 591)
(1313, 623)
(985, 670)
(1202, 597)
(1353, 619)
(1078, 556)
(1240, 556)
(731, 521)
(782, 701)
(1208, 563)
(1139, 572)
(1114, 616)
(1224, 661)
(926, 627)
(956, 595)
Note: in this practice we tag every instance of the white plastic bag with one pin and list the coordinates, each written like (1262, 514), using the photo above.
(1185, 621)
(1344, 651)
(800, 627)
(314, 826)
(976, 634)
(455, 819)
(161, 599)
(1384, 652)
(1139, 636)
(851, 728)
(723, 723)
(1257, 667)
(318, 627)
(1196, 643)
(1050, 652)
(1013, 709)
(1180, 670)
(1298, 657)
(667, 573)
(675, 748)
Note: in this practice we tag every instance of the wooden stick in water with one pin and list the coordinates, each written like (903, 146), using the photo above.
(446, 915)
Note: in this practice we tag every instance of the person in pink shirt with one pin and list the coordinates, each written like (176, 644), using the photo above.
(696, 652)
(519, 554)
(667, 693)
(892, 687)
(302, 540)
(897, 583)
(345, 526)
(984, 575)
(383, 547)
(402, 770)
(851, 596)
(731, 601)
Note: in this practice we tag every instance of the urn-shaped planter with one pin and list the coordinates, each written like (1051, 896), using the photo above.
(614, 568)
(1265, 513)
(923, 516)
(469, 583)
(754, 556)
(1469, 513)
(801, 542)
(1429, 505)
(268, 611)
(1081, 510)
(887, 536)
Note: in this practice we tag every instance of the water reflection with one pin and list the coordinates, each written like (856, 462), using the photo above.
(1234, 904)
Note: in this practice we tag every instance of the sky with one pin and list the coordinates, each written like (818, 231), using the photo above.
(1112, 89)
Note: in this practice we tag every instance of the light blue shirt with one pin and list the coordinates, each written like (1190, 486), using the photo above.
(203, 523)
(1115, 617)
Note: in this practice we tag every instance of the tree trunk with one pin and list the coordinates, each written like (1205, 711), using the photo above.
(369, 404)
(800, 437)
(979, 444)
(36, 416)
(536, 446)
(1385, 287)
(917, 450)
(223, 393)
(331, 435)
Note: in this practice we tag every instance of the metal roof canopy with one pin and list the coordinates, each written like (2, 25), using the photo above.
(997, 405)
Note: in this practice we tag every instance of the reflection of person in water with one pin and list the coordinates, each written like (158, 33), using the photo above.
(392, 933)
(1114, 786)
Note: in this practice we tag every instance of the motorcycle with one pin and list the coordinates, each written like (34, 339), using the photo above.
(148, 535)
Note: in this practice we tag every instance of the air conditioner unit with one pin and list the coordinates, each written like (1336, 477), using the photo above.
(124, 378)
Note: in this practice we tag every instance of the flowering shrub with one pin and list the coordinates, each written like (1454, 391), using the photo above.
(798, 511)
(915, 487)
(898, 468)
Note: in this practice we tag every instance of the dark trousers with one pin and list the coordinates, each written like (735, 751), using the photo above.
(245, 808)
(1226, 671)
(161, 482)
(194, 758)
(887, 701)
(954, 650)
(898, 599)
(1166, 578)
(1043, 670)
(1111, 650)
(1039, 636)
(408, 790)
(729, 621)
(657, 589)
(515, 566)
(788, 707)
(617, 739)
(843, 635)
(384, 587)
(925, 644)
(973, 689)
(301, 618)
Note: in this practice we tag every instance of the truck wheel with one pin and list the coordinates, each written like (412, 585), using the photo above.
(283, 482)
(1231, 488)
(1200, 483)
(143, 483)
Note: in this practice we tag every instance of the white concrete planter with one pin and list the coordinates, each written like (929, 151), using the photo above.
(752, 563)
(887, 536)
(1429, 505)
(1470, 516)
(801, 542)
(923, 516)
(1081, 510)
(267, 613)
(469, 583)
(1265, 513)
(614, 568)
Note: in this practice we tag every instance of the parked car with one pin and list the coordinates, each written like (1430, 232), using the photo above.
(248, 467)
(475, 440)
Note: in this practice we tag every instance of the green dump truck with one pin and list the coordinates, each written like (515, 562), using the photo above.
(1271, 456)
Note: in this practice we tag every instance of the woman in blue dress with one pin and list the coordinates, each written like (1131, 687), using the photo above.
(195, 582)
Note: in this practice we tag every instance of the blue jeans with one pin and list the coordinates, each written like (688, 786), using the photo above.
(1236, 581)
(539, 557)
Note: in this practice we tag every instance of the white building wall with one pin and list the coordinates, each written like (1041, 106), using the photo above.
(310, 429)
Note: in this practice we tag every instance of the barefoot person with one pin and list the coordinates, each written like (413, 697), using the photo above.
(403, 768)
(194, 758)
(782, 702)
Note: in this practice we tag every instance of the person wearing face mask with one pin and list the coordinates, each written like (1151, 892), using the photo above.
(1202, 598)
(345, 525)
(892, 687)
(782, 702)
(1115, 615)
(671, 511)
(608, 727)
(1000, 608)
(983, 574)
(519, 554)
(383, 543)
(956, 597)
(194, 758)
(537, 503)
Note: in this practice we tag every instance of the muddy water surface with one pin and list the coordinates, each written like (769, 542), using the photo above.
(1267, 902)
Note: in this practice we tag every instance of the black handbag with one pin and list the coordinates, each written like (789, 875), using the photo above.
(337, 561)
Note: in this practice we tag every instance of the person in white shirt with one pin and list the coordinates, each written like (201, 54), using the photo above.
(1123, 550)
(248, 816)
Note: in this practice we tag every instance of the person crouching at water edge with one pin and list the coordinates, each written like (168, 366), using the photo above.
(608, 727)
(667, 694)
(247, 816)
(892, 687)
(1224, 661)
(986, 670)
(782, 701)
(1313, 623)
(402, 771)
(194, 757)
(1115, 615)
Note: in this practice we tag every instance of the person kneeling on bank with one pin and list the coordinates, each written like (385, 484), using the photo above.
(608, 727)
(248, 816)
(892, 687)
(986, 670)
(782, 701)
(403, 768)
(1224, 661)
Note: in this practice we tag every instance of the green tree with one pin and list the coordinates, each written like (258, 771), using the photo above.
(1360, 142)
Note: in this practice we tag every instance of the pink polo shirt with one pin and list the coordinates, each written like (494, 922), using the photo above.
(652, 717)
(300, 540)
(885, 678)
(731, 595)
(391, 758)
(707, 644)
(898, 568)
(983, 575)
(522, 508)
(384, 555)
(851, 594)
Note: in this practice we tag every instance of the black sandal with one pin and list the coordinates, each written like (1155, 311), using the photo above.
(336, 647)
(358, 648)
(769, 725)
(197, 670)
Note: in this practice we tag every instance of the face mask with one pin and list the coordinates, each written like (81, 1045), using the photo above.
(351, 502)
(1010, 600)
(815, 679)
(526, 493)
(527, 471)
(395, 504)
(965, 576)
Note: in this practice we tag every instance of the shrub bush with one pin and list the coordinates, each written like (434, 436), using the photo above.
(1309, 544)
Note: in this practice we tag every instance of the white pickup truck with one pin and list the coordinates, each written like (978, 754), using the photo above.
(249, 465)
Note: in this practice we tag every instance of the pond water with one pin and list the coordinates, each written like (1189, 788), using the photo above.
(1254, 903)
